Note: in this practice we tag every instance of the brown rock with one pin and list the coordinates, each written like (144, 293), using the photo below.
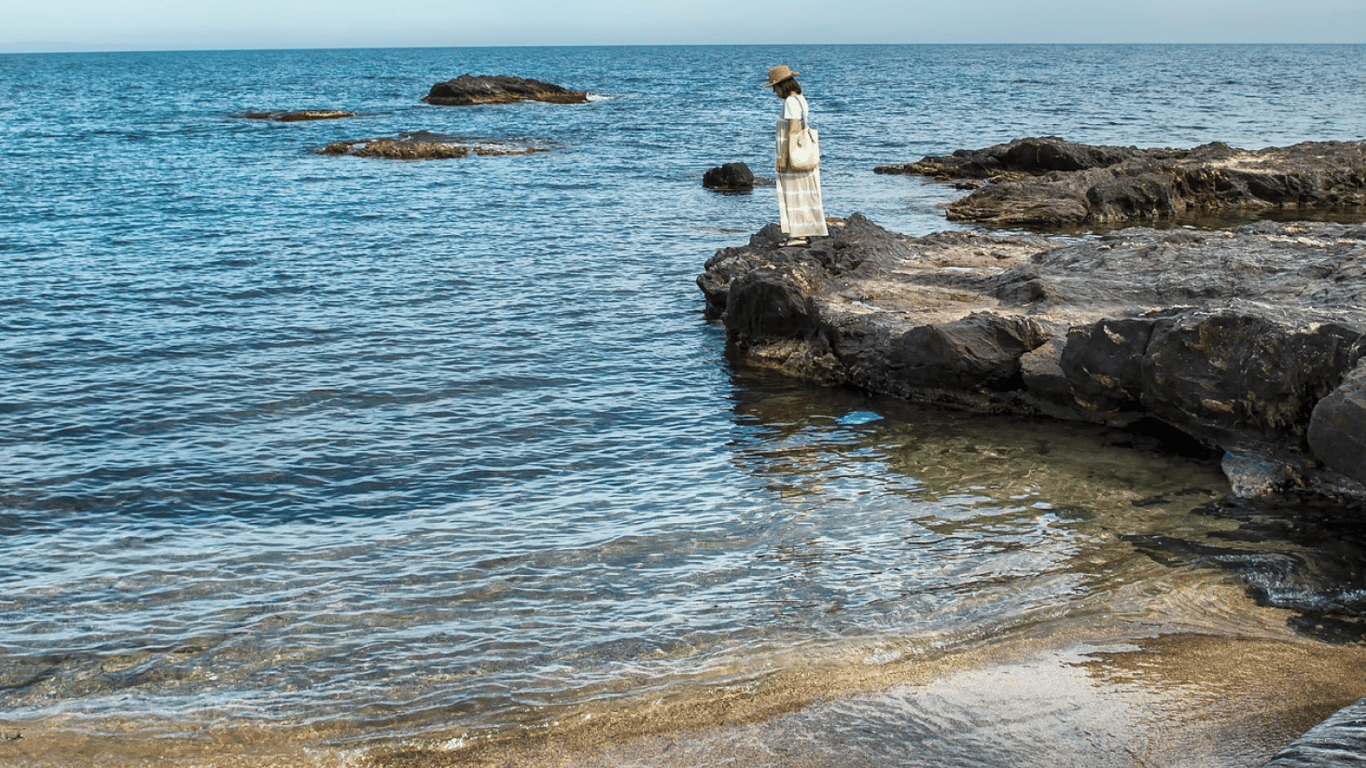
(468, 90)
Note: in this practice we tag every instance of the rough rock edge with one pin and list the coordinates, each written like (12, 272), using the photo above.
(1048, 182)
(468, 90)
(1235, 338)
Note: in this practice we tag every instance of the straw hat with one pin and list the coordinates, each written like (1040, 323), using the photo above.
(778, 74)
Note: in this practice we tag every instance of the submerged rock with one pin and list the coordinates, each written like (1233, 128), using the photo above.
(299, 116)
(1051, 183)
(467, 90)
(422, 146)
(1245, 340)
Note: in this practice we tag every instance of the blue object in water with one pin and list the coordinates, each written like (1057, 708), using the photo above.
(859, 417)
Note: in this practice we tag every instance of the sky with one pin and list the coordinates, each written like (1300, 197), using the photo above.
(102, 25)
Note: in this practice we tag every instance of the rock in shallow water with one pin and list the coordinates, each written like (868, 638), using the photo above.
(1234, 338)
(422, 146)
(300, 116)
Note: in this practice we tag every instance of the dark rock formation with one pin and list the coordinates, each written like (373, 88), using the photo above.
(1338, 741)
(421, 146)
(484, 89)
(1035, 156)
(731, 177)
(299, 116)
(1337, 429)
(1245, 340)
(1051, 183)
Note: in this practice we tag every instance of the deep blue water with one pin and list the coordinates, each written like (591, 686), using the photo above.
(401, 448)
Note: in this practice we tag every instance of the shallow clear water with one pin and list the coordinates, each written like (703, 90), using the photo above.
(360, 449)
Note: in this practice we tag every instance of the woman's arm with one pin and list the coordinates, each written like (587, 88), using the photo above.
(792, 127)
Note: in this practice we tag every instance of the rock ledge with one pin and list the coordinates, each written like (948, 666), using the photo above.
(1051, 183)
(1250, 341)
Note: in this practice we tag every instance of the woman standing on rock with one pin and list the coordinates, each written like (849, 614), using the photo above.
(801, 214)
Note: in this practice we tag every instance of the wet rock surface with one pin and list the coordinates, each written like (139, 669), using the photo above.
(423, 146)
(1235, 338)
(468, 90)
(1052, 183)
(300, 116)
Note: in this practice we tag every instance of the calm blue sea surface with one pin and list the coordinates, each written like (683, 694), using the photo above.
(369, 449)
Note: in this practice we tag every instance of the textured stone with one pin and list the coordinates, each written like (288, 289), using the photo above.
(1243, 340)
(468, 90)
(1051, 183)
(1337, 429)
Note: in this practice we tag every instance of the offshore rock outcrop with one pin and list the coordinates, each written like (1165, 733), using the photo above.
(422, 145)
(468, 90)
(300, 116)
(1051, 183)
(1251, 341)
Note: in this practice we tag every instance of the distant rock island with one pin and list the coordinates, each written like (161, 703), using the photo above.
(468, 90)
(1052, 183)
(1250, 342)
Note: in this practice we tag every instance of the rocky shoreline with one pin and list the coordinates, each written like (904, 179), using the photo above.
(1251, 341)
(1052, 183)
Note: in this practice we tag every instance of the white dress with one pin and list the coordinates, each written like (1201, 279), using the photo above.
(800, 211)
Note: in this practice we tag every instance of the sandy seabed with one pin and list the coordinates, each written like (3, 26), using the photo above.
(1060, 694)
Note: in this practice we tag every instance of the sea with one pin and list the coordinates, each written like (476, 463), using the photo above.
(319, 460)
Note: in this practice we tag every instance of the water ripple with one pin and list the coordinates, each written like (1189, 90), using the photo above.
(362, 445)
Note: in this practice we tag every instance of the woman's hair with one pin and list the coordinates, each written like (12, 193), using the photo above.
(787, 87)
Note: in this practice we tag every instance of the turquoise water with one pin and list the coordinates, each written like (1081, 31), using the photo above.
(384, 450)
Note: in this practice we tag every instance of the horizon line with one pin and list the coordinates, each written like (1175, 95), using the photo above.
(41, 50)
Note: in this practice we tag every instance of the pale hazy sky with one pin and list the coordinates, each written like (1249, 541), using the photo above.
(96, 25)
